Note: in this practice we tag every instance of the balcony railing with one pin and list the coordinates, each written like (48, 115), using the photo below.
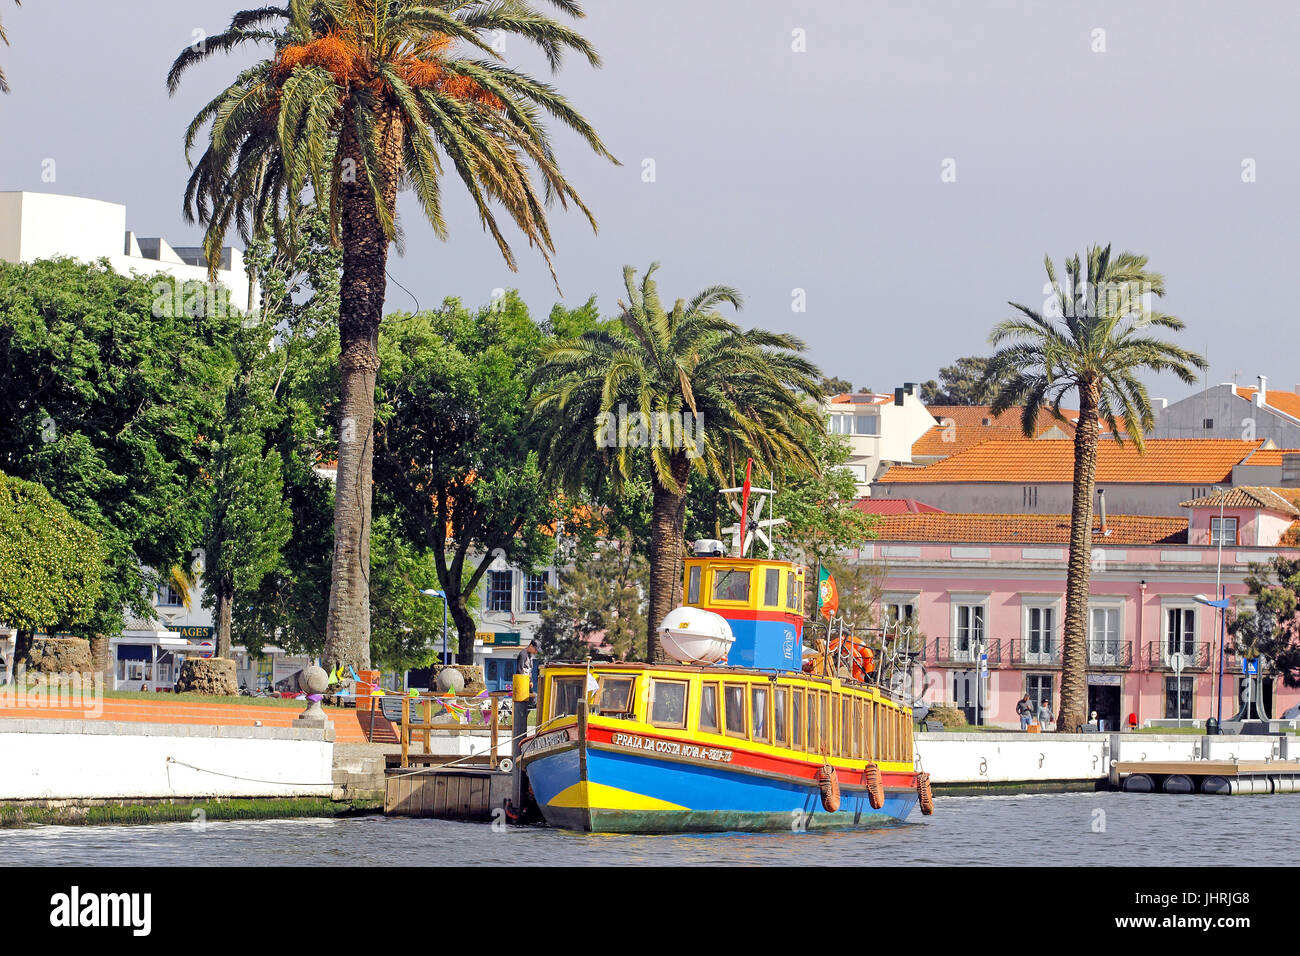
(1105, 653)
(1197, 656)
(959, 650)
(1034, 652)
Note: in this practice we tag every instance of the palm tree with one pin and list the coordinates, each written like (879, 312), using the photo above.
(1095, 339)
(4, 84)
(680, 387)
(357, 98)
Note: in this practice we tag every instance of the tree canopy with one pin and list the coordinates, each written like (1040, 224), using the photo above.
(51, 566)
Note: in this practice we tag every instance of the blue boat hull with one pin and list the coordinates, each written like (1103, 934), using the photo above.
(603, 790)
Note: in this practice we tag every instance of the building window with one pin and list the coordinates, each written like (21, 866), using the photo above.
(970, 628)
(1040, 636)
(899, 612)
(854, 425)
(535, 592)
(1103, 635)
(1180, 630)
(1207, 423)
(1178, 698)
(1039, 689)
(168, 597)
(500, 584)
(1030, 496)
(1223, 531)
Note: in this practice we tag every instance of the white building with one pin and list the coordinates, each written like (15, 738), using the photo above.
(881, 429)
(47, 226)
(1234, 411)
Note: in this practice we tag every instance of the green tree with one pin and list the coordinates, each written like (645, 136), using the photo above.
(1271, 631)
(963, 383)
(600, 598)
(248, 516)
(667, 390)
(818, 504)
(455, 454)
(407, 631)
(298, 276)
(51, 567)
(833, 385)
(357, 98)
(109, 387)
(4, 84)
(1096, 337)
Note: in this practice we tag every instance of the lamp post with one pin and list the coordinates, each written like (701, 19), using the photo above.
(1222, 605)
(430, 592)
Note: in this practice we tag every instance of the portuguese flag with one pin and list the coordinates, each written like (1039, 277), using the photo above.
(828, 595)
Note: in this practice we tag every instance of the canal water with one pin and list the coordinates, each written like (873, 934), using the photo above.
(1075, 829)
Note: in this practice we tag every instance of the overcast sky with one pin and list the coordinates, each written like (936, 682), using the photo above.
(777, 169)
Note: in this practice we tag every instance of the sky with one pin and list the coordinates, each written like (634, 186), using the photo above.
(878, 177)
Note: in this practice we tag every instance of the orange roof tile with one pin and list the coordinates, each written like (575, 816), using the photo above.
(961, 426)
(1270, 457)
(1027, 529)
(894, 506)
(1288, 403)
(1284, 500)
(1167, 461)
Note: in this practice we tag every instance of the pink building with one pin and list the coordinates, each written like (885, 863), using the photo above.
(997, 581)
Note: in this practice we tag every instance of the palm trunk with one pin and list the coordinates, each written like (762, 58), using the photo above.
(1074, 645)
(667, 548)
(222, 601)
(101, 659)
(361, 306)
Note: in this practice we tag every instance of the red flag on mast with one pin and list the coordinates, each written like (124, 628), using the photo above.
(744, 504)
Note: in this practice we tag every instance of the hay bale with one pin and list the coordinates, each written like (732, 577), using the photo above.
(947, 714)
(59, 655)
(213, 676)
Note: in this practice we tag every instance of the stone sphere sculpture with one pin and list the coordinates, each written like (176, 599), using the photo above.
(450, 681)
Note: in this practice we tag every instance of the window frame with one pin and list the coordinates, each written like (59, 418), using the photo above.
(760, 724)
(743, 732)
(630, 705)
(749, 586)
(1218, 527)
(782, 694)
(685, 685)
(705, 688)
(553, 702)
(535, 598)
(493, 593)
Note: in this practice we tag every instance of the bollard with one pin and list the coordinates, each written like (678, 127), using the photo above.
(518, 727)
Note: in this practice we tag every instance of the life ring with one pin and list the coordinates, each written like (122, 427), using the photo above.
(875, 791)
(925, 794)
(829, 782)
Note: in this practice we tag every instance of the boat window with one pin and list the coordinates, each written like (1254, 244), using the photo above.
(733, 698)
(615, 695)
(812, 721)
(759, 694)
(693, 586)
(780, 712)
(668, 703)
(875, 727)
(846, 726)
(796, 719)
(566, 691)
(709, 708)
(731, 584)
(860, 728)
(869, 708)
(772, 587)
(824, 721)
(792, 591)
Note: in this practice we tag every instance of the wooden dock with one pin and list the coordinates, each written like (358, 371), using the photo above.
(456, 793)
(1207, 776)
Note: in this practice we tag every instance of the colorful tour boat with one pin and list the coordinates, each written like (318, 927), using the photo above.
(736, 735)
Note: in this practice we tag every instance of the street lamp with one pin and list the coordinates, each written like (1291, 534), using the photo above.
(430, 592)
(1222, 605)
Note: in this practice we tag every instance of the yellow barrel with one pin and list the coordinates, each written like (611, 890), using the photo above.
(520, 687)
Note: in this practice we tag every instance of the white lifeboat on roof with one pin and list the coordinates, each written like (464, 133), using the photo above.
(692, 635)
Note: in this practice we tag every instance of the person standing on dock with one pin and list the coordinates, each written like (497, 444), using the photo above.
(1025, 711)
(524, 663)
(1044, 715)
